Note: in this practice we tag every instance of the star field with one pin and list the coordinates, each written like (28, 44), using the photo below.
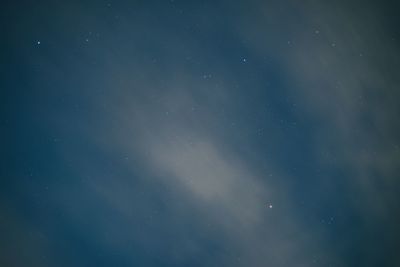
(199, 133)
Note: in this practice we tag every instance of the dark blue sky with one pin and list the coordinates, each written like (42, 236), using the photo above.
(199, 133)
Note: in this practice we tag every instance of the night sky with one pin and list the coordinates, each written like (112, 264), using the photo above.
(200, 133)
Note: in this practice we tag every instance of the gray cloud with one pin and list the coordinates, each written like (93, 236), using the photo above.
(177, 143)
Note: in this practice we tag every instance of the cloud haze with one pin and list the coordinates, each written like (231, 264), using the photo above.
(201, 134)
